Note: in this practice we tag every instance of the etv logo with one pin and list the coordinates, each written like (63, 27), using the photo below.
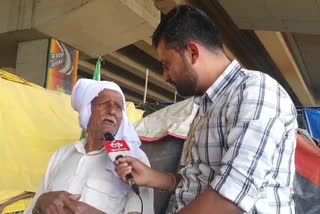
(117, 145)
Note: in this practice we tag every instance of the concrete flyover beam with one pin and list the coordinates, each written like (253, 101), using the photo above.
(123, 82)
(146, 46)
(281, 55)
(15, 15)
(96, 27)
(166, 5)
(138, 70)
(274, 15)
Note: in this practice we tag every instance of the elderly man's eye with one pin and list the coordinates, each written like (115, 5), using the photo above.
(103, 103)
(119, 107)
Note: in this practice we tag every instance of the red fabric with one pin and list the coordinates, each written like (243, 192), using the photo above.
(152, 139)
(308, 159)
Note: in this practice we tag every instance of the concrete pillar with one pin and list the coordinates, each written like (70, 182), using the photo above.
(96, 27)
(32, 61)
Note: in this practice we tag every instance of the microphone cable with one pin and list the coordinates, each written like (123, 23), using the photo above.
(141, 203)
(134, 186)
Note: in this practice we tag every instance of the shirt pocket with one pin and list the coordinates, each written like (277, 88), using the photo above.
(103, 196)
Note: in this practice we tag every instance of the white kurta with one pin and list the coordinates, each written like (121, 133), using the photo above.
(72, 170)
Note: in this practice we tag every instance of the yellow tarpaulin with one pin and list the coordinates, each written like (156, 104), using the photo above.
(34, 123)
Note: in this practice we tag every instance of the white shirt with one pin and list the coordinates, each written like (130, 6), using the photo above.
(72, 170)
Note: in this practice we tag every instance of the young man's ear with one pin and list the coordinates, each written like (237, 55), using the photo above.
(193, 51)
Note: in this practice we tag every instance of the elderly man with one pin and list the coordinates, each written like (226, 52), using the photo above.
(80, 178)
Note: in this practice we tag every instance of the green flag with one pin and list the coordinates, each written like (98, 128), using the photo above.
(96, 76)
(97, 72)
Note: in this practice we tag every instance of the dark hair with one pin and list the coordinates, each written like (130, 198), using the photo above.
(184, 24)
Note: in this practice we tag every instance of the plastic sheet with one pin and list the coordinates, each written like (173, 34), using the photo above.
(313, 122)
(173, 120)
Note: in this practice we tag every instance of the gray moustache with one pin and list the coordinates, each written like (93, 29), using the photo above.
(110, 118)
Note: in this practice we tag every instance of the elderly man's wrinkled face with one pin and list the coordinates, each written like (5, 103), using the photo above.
(106, 113)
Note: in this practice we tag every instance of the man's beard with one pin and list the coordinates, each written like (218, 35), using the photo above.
(187, 85)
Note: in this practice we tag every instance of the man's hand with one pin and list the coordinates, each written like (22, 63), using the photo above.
(78, 207)
(142, 174)
(54, 203)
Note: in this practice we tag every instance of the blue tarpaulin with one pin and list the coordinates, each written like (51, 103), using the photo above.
(313, 122)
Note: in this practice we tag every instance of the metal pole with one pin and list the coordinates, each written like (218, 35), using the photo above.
(175, 97)
(146, 87)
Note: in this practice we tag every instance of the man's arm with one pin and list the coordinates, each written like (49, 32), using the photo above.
(78, 207)
(159, 180)
(54, 202)
(145, 175)
(211, 202)
(133, 205)
(164, 181)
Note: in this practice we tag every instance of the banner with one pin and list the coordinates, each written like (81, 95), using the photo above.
(62, 67)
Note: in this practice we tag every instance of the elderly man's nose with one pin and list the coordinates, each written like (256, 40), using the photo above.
(111, 109)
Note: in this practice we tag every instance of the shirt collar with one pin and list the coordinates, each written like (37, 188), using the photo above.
(217, 88)
(80, 147)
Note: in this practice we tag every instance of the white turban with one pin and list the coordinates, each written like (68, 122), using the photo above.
(83, 93)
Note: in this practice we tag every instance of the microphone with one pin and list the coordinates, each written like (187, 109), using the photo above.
(117, 149)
